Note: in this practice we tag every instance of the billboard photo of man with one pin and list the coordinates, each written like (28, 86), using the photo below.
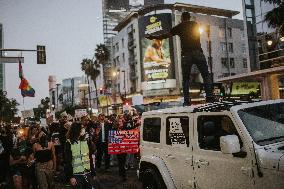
(156, 54)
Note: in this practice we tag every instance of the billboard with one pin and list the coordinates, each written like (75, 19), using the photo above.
(136, 4)
(156, 55)
(243, 88)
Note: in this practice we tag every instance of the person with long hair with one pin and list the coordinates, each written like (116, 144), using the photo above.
(77, 162)
(21, 158)
(44, 152)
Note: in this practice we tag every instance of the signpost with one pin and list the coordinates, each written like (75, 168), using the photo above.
(7, 59)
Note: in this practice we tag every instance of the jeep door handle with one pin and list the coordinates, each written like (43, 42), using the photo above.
(170, 156)
(201, 162)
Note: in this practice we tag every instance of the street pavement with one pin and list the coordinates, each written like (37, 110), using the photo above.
(111, 180)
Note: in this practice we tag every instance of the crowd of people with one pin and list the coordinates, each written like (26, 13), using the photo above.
(69, 150)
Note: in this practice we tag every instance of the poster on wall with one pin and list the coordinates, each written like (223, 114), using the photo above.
(156, 55)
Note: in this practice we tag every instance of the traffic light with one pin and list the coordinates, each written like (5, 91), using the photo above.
(41, 54)
(101, 90)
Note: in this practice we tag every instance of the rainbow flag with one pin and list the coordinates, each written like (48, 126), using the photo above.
(26, 89)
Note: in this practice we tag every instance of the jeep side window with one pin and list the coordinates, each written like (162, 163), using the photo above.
(151, 129)
(177, 131)
(211, 128)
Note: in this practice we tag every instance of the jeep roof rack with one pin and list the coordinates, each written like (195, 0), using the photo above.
(220, 106)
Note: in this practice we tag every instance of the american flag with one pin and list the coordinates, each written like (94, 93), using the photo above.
(125, 141)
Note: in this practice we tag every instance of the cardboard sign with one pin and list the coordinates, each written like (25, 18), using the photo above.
(137, 100)
(80, 113)
(176, 133)
(27, 113)
(126, 141)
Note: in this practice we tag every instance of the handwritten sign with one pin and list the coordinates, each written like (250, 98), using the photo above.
(27, 113)
(176, 133)
(80, 113)
(125, 141)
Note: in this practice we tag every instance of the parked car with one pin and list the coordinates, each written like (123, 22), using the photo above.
(222, 145)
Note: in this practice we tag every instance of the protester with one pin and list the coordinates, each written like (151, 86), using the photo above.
(44, 153)
(6, 144)
(191, 53)
(102, 143)
(21, 159)
(121, 157)
(91, 126)
(77, 161)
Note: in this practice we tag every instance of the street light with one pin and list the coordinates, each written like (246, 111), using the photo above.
(269, 42)
(201, 30)
(114, 73)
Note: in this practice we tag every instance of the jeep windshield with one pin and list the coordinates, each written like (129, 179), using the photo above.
(265, 123)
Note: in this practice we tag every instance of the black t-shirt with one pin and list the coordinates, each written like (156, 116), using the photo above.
(189, 36)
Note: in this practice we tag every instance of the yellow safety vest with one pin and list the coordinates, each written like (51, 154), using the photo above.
(80, 157)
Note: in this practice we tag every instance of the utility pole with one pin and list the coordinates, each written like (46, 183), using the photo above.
(57, 85)
(72, 91)
(210, 52)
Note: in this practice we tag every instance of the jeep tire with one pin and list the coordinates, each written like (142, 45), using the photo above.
(152, 179)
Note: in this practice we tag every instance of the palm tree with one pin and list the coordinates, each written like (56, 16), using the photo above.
(91, 69)
(102, 56)
(275, 17)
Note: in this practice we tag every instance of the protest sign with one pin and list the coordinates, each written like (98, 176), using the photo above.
(125, 141)
(80, 113)
(27, 113)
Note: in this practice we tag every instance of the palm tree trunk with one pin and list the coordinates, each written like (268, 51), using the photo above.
(97, 100)
(90, 100)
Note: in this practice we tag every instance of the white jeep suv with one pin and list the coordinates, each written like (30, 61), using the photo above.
(222, 145)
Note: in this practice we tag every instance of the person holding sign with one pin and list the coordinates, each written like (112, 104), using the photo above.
(121, 157)
(191, 53)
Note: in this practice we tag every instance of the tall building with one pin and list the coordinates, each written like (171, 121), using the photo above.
(266, 47)
(222, 40)
(2, 65)
(115, 11)
(265, 52)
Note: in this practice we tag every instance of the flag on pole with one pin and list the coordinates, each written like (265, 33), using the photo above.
(21, 75)
(26, 89)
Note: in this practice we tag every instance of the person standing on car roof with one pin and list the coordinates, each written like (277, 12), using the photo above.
(191, 53)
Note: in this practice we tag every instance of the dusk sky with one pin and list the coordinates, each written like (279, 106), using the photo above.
(70, 30)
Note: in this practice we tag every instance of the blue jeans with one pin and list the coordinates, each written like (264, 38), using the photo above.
(188, 59)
